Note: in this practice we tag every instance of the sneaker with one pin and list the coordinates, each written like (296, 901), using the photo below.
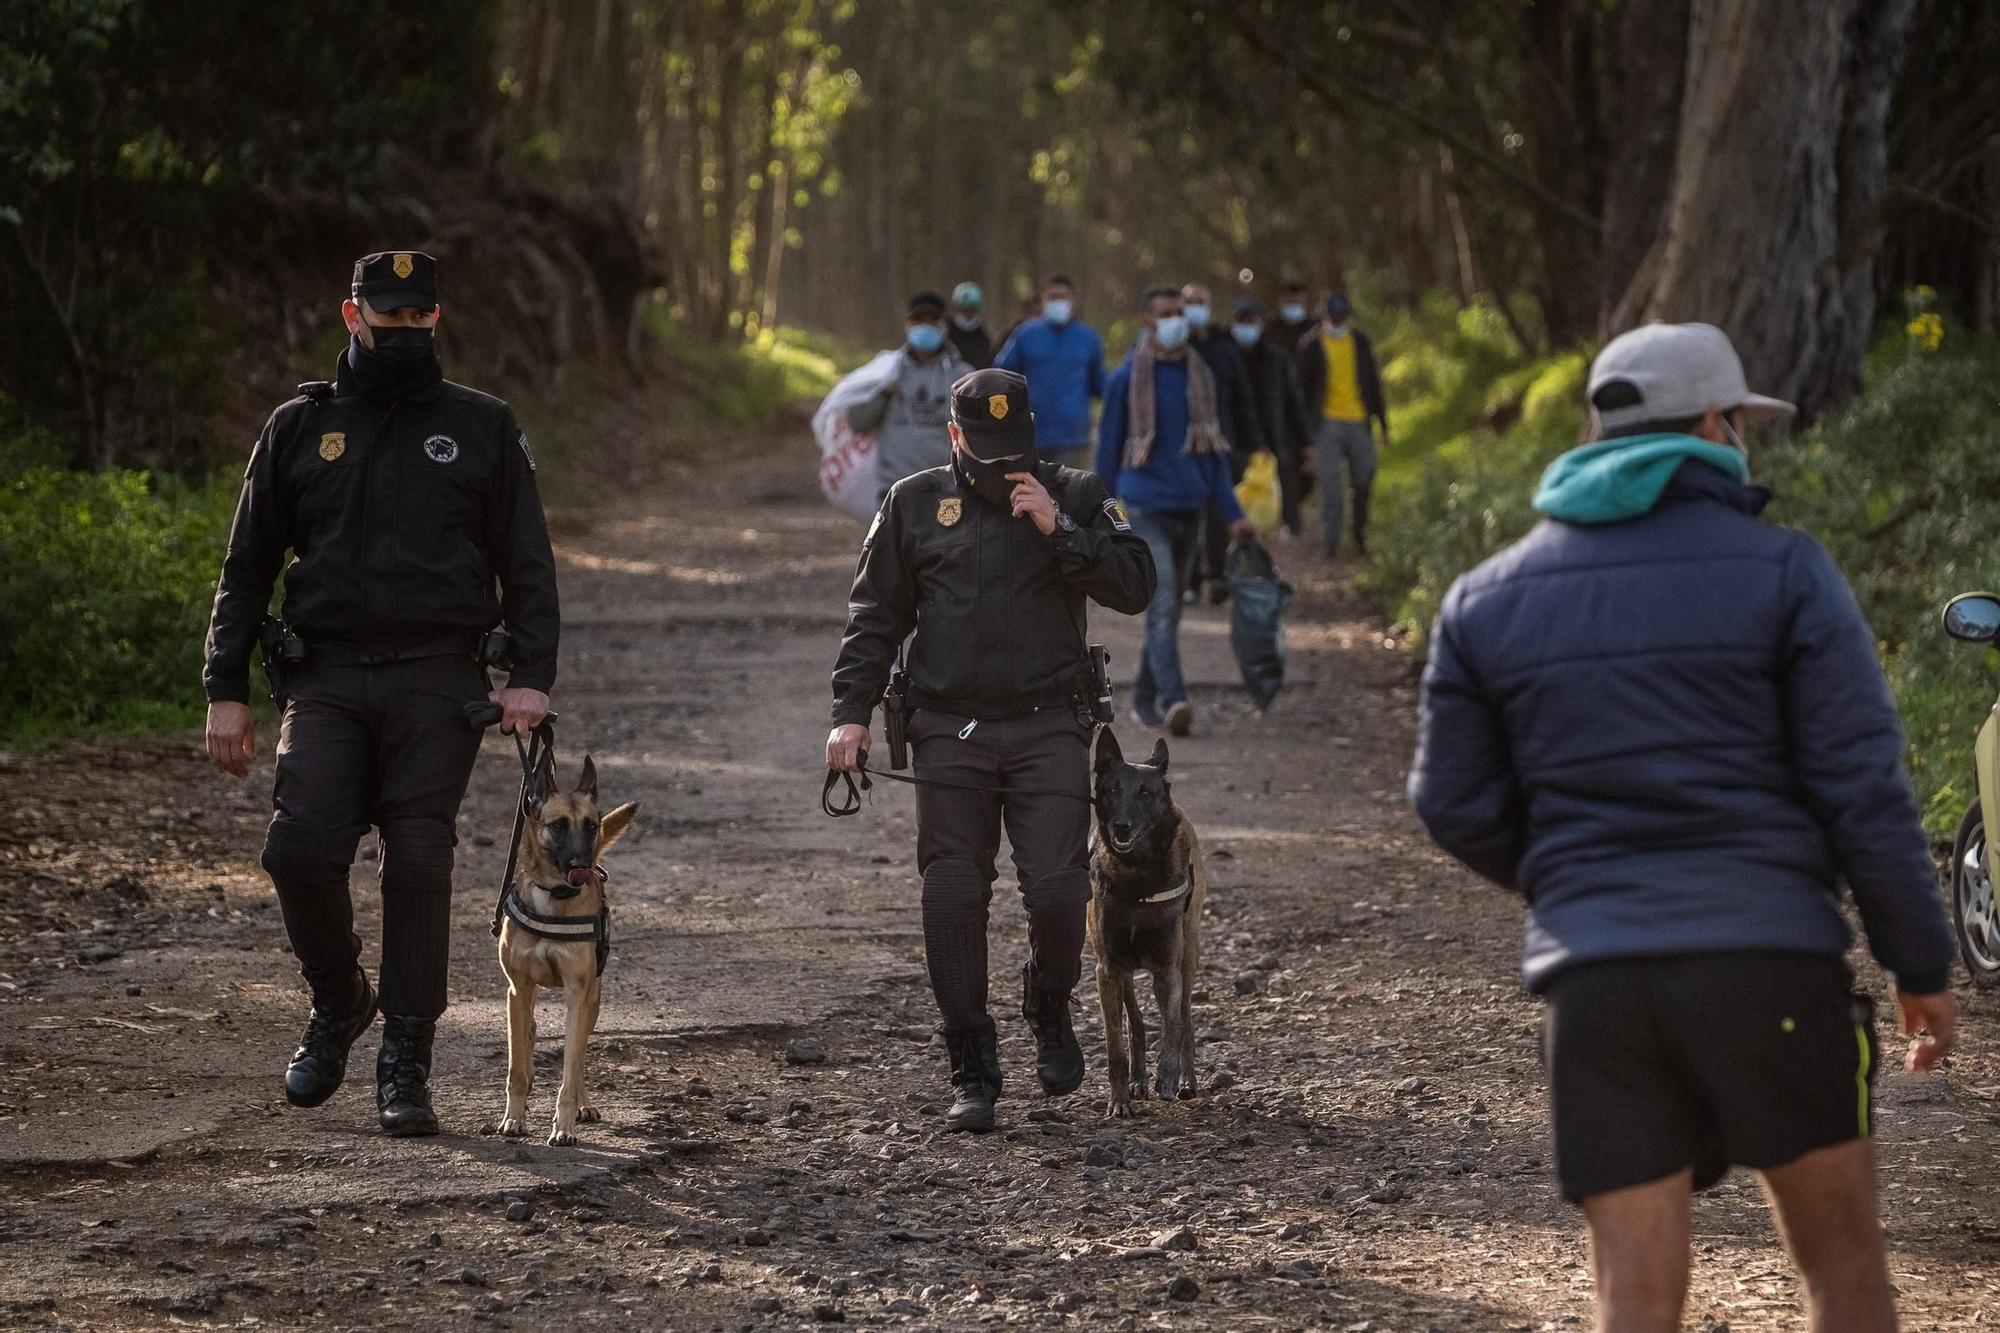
(1180, 717)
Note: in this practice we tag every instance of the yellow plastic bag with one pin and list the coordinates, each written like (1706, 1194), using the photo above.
(1258, 491)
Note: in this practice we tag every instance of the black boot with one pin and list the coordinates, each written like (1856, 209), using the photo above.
(402, 1077)
(975, 1077)
(1058, 1054)
(320, 1062)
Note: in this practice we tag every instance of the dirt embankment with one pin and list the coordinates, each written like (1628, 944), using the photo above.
(1367, 1152)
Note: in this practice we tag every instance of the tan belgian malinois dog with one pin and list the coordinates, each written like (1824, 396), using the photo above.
(1148, 881)
(552, 934)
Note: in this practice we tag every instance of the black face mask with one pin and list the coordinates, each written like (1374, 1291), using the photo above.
(402, 362)
(990, 479)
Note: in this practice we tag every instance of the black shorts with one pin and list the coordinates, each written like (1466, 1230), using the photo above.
(1703, 1061)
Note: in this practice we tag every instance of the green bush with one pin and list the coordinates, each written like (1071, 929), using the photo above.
(108, 582)
(1903, 487)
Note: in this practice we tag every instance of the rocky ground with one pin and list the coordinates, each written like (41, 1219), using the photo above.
(1367, 1151)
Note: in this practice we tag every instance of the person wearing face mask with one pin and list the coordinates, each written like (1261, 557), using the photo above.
(1339, 378)
(1160, 449)
(1233, 410)
(409, 506)
(990, 561)
(1278, 405)
(1064, 359)
(908, 416)
(967, 329)
(1293, 323)
(1662, 722)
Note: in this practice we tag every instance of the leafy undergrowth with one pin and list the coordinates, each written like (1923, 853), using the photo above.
(1903, 487)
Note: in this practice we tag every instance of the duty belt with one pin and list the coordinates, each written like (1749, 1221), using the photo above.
(459, 643)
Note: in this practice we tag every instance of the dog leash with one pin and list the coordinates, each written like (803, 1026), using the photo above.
(852, 806)
(538, 762)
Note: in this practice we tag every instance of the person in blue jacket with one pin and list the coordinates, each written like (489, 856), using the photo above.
(1162, 454)
(1663, 722)
(1063, 358)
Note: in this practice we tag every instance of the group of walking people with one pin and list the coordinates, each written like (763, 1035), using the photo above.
(1176, 425)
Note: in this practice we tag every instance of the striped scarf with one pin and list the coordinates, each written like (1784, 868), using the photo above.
(1204, 434)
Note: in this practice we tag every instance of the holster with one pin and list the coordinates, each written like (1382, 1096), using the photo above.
(1093, 688)
(282, 652)
(896, 717)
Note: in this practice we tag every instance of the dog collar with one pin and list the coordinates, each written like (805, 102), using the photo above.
(1187, 882)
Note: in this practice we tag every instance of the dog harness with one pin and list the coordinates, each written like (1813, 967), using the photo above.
(1187, 883)
(567, 929)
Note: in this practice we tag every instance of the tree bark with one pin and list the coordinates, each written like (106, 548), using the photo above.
(1762, 233)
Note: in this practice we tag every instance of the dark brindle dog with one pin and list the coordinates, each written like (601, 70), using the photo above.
(1147, 883)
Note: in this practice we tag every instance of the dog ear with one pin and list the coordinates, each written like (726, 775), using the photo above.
(1159, 759)
(544, 787)
(614, 825)
(587, 784)
(1108, 752)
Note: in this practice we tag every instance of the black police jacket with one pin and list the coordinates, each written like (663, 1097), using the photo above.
(400, 517)
(998, 608)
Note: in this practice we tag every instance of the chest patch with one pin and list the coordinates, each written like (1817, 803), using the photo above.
(950, 510)
(441, 449)
(332, 444)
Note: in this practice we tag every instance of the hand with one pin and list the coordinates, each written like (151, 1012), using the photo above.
(232, 737)
(844, 745)
(1030, 497)
(1935, 1015)
(1382, 423)
(1243, 528)
(521, 711)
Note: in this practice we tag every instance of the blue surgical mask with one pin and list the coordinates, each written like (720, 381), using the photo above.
(1293, 312)
(1246, 335)
(925, 338)
(1057, 310)
(1171, 331)
(1197, 315)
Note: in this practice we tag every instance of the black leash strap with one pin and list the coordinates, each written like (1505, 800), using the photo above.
(538, 769)
(854, 792)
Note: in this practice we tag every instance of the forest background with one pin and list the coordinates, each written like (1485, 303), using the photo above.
(664, 221)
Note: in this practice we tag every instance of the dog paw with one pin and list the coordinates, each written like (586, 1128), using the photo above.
(1138, 1090)
(588, 1115)
(1119, 1109)
(562, 1138)
(514, 1127)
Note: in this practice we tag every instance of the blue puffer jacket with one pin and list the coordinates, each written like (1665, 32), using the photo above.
(1672, 735)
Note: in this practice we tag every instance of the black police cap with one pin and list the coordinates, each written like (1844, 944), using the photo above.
(396, 278)
(991, 407)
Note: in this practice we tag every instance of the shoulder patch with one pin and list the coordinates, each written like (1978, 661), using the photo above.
(521, 438)
(873, 528)
(1115, 511)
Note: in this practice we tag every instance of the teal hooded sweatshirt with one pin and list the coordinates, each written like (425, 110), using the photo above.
(1615, 480)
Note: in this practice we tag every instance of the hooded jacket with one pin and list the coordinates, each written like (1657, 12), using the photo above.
(1671, 733)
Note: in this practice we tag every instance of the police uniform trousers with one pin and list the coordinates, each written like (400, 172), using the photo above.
(958, 839)
(387, 746)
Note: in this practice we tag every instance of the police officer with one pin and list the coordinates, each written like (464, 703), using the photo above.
(403, 498)
(989, 559)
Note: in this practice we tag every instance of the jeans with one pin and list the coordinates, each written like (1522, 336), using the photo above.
(1173, 536)
(1352, 443)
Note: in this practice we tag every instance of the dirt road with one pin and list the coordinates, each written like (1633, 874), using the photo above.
(1367, 1152)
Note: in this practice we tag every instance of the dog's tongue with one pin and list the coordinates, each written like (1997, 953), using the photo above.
(582, 876)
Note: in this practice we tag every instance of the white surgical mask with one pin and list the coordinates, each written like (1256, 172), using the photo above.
(1057, 310)
(1246, 335)
(1197, 315)
(1171, 331)
(1292, 312)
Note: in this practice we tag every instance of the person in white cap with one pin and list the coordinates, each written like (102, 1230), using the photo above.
(1663, 723)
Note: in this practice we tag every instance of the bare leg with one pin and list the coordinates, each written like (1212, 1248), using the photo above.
(1639, 1254)
(520, 1056)
(1137, 1074)
(1825, 1206)
(1111, 999)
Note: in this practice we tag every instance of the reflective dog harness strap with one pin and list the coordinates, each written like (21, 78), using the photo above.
(1187, 883)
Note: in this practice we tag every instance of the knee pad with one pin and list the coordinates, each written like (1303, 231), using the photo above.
(417, 856)
(1065, 888)
(292, 852)
(954, 885)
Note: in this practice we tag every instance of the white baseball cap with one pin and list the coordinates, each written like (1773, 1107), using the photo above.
(1679, 371)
